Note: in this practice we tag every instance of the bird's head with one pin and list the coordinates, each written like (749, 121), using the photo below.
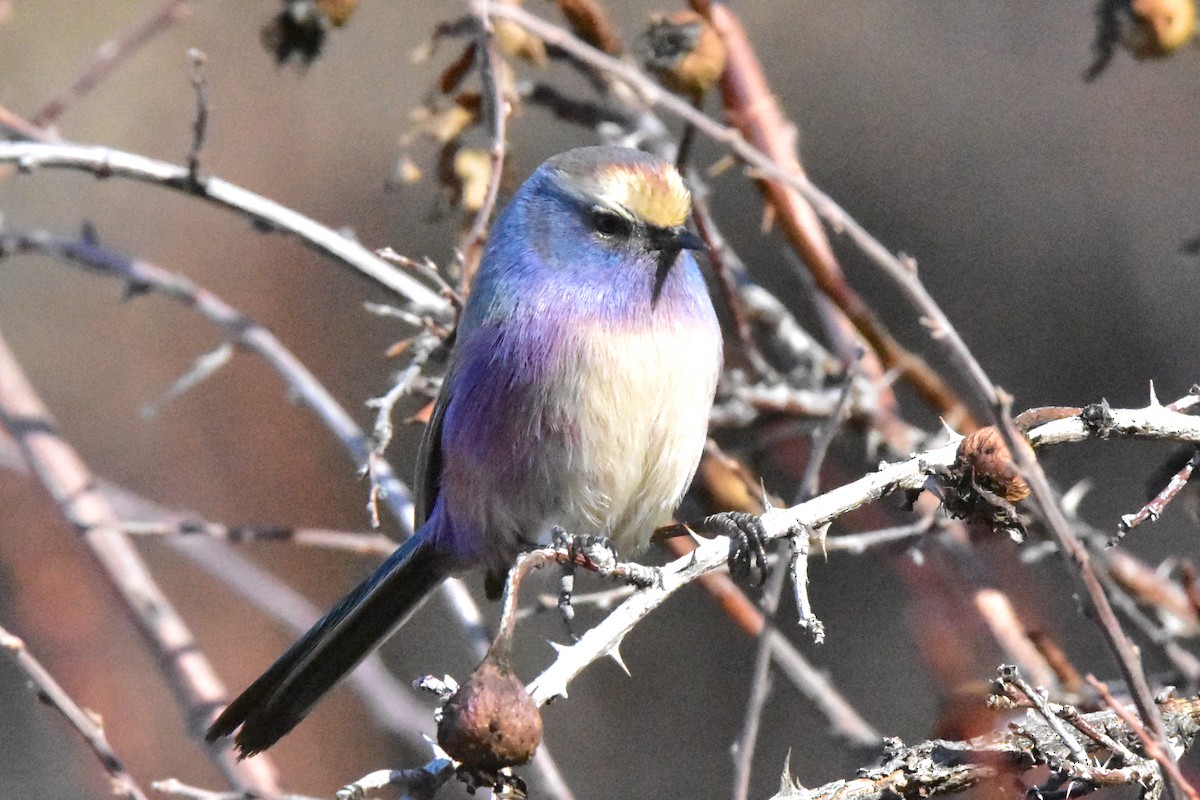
(593, 232)
(604, 214)
(624, 198)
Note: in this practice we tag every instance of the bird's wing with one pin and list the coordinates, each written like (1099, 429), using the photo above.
(429, 457)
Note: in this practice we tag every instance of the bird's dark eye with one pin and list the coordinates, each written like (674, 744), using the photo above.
(609, 224)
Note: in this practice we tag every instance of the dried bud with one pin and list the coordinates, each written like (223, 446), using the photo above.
(985, 457)
(1160, 27)
(491, 722)
(447, 124)
(473, 168)
(298, 30)
(589, 22)
(684, 52)
(516, 42)
(337, 11)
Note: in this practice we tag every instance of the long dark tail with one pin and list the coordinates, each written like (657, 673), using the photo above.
(362, 620)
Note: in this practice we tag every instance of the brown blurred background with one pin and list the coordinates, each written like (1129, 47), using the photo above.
(1048, 216)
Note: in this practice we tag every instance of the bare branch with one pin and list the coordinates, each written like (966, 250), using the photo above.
(266, 214)
(1154, 509)
(109, 56)
(68, 481)
(414, 784)
(243, 331)
(1153, 744)
(87, 725)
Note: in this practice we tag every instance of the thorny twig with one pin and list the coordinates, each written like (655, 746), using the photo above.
(858, 543)
(1010, 676)
(421, 348)
(1131, 583)
(809, 481)
(726, 268)
(1155, 745)
(938, 767)
(266, 214)
(1154, 509)
(816, 514)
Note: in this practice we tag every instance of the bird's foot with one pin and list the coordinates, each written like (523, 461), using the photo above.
(599, 555)
(589, 552)
(748, 549)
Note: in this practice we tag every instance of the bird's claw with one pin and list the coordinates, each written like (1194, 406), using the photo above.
(582, 545)
(748, 549)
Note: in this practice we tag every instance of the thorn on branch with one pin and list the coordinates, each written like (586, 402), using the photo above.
(198, 60)
(203, 368)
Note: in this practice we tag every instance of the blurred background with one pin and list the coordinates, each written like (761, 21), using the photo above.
(1049, 216)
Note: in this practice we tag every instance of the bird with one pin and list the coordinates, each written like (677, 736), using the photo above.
(576, 399)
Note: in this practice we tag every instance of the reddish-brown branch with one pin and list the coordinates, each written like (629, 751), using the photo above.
(591, 23)
(1152, 744)
(23, 127)
(753, 110)
(1154, 509)
(1126, 655)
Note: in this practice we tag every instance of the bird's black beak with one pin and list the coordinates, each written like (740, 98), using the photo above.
(669, 242)
(675, 239)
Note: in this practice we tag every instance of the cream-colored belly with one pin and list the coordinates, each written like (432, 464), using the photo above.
(642, 417)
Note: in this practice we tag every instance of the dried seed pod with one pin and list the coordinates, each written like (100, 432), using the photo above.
(985, 457)
(684, 52)
(491, 722)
